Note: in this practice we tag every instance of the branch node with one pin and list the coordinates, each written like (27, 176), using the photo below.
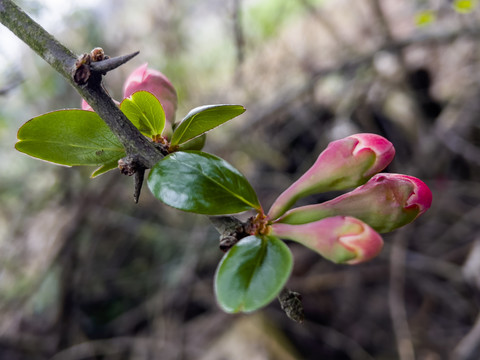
(231, 230)
(227, 242)
(162, 148)
(130, 164)
(82, 69)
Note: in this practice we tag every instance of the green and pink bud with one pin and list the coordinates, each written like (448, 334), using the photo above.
(341, 239)
(386, 202)
(153, 81)
(344, 164)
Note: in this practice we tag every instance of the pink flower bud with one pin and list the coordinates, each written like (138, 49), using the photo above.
(341, 239)
(86, 106)
(344, 164)
(156, 83)
(386, 202)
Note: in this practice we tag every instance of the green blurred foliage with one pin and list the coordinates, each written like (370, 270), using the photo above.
(265, 19)
(464, 6)
(424, 18)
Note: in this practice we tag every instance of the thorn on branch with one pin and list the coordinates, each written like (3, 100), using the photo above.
(89, 68)
(131, 165)
(108, 64)
(139, 176)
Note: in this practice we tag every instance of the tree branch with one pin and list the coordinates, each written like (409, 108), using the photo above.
(65, 63)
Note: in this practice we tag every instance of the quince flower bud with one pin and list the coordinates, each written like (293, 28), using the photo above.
(156, 83)
(87, 107)
(341, 239)
(344, 164)
(386, 202)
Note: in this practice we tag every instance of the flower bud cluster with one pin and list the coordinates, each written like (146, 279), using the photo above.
(346, 229)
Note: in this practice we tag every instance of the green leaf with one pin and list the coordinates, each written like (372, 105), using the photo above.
(145, 112)
(252, 273)
(194, 144)
(104, 168)
(203, 119)
(201, 183)
(70, 137)
(464, 6)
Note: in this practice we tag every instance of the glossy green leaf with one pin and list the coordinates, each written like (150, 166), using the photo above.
(201, 183)
(70, 137)
(252, 273)
(203, 119)
(145, 112)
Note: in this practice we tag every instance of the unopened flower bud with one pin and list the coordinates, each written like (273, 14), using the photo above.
(386, 202)
(156, 83)
(87, 107)
(341, 239)
(344, 164)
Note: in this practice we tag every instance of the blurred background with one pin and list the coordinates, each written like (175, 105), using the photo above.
(85, 273)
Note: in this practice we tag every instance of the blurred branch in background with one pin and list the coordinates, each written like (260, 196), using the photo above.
(396, 296)
(238, 31)
(86, 274)
(10, 84)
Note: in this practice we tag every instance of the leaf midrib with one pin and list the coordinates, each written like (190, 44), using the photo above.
(144, 116)
(259, 260)
(185, 128)
(222, 186)
(117, 149)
